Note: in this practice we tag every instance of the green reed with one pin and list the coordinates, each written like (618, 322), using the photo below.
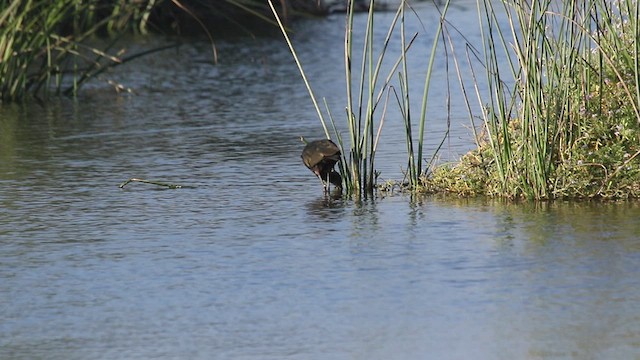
(416, 171)
(569, 90)
(368, 91)
(42, 42)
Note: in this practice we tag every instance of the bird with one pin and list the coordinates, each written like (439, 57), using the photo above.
(320, 156)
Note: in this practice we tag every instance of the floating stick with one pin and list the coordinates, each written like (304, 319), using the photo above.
(170, 186)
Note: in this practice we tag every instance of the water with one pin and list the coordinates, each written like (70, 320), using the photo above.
(250, 261)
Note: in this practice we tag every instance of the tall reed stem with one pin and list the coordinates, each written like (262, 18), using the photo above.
(560, 54)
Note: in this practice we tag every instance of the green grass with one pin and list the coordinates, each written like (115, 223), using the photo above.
(368, 95)
(561, 117)
(43, 42)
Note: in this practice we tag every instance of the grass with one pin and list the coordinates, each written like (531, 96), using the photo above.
(368, 94)
(560, 113)
(45, 44)
(569, 125)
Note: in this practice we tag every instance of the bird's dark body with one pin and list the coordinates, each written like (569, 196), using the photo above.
(320, 156)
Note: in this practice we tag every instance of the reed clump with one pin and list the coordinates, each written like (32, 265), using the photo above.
(370, 89)
(49, 46)
(569, 127)
(42, 41)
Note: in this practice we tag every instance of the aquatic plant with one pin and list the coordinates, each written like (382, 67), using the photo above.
(43, 41)
(367, 104)
(49, 46)
(415, 168)
(562, 117)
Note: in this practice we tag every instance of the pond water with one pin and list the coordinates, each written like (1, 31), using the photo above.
(250, 261)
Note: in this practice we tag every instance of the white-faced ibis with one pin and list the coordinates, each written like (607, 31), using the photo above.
(320, 156)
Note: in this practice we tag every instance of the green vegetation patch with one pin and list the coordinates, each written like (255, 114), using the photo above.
(575, 131)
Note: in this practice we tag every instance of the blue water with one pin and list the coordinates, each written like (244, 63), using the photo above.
(250, 261)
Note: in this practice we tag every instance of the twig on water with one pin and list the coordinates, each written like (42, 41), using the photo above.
(169, 186)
